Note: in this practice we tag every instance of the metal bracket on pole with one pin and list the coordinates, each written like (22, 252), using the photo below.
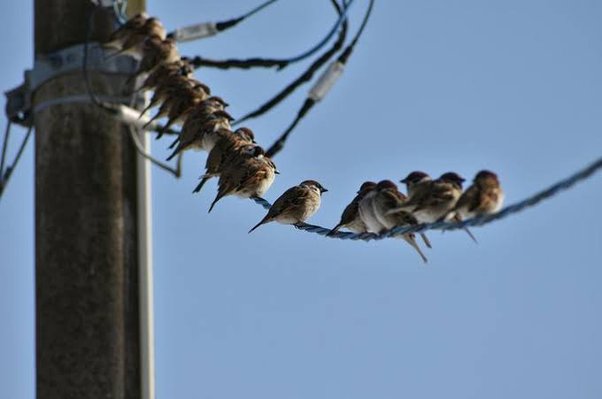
(62, 62)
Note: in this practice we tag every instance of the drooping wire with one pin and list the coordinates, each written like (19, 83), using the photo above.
(5, 146)
(535, 199)
(327, 81)
(6, 174)
(198, 61)
(303, 78)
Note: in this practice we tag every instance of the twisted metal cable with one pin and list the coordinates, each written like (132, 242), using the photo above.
(477, 221)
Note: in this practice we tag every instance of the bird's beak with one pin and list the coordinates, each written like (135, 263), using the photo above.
(324, 190)
(277, 172)
(403, 181)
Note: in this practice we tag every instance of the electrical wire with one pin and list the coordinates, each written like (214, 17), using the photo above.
(313, 98)
(198, 61)
(303, 78)
(208, 29)
(5, 146)
(6, 174)
(531, 201)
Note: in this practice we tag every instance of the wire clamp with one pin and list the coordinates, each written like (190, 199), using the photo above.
(62, 62)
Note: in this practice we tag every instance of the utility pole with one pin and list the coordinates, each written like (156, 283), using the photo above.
(87, 224)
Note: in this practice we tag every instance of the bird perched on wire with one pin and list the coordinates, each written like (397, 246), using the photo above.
(388, 197)
(156, 52)
(180, 106)
(181, 68)
(202, 133)
(483, 197)
(130, 41)
(119, 36)
(350, 218)
(435, 200)
(230, 147)
(171, 86)
(296, 205)
(416, 181)
(178, 103)
(251, 176)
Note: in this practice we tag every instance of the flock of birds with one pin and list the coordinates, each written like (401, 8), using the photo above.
(244, 170)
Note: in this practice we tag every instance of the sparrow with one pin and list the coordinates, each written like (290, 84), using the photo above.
(230, 146)
(433, 201)
(132, 42)
(296, 205)
(483, 197)
(155, 52)
(250, 177)
(351, 217)
(201, 134)
(366, 213)
(415, 182)
(177, 104)
(181, 106)
(119, 36)
(171, 86)
(177, 68)
(388, 197)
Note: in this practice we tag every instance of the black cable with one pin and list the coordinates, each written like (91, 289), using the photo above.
(222, 26)
(5, 146)
(198, 61)
(5, 177)
(305, 77)
(309, 101)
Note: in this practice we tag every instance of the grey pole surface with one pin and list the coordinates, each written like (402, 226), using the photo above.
(87, 315)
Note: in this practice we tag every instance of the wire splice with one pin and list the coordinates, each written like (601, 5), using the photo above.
(198, 61)
(207, 29)
(194, 32)
(326, 81)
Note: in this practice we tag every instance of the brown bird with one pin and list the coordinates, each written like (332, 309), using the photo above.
(119, 36)
(430, 204)
(181, 107)
(163, 71)
(250, 177)
(226, 151)
(351, 217)
(388, 197)
(416, 181)
(133, 40)
(296, 205)
(483, 197)
(173, 86)
(155, 52)
(177, 105)
(201, 134)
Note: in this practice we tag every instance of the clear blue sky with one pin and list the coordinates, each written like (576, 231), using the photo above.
(514, 86)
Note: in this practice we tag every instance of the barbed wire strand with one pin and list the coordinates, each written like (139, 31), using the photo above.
(535, 199)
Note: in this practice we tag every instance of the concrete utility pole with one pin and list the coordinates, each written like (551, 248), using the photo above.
(87, 217)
